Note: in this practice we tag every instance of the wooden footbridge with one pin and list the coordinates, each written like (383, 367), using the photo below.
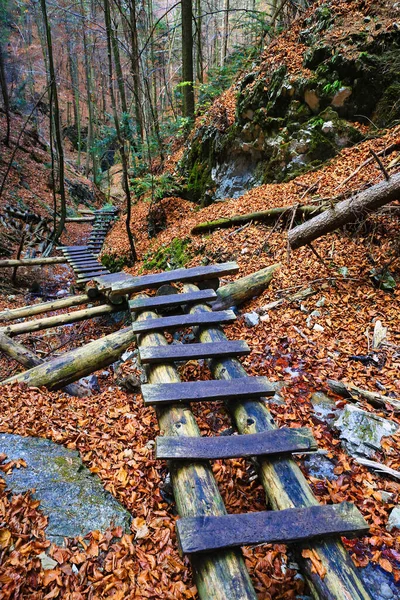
(211, 537)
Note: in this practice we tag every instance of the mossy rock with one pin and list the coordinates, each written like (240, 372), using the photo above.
(116, 263)
(387, 111)
(174, 256)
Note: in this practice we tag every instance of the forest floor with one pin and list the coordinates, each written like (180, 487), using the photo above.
(114, 432)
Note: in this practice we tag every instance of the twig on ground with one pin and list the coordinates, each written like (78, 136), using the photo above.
(380, 163)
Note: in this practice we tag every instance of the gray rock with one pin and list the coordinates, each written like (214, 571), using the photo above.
(319, 466)
(324, 408)
(378, 582)
(394, 519)
(73, 498)
(361, 432)
(251, 319)
(328, 127)
(386, 496)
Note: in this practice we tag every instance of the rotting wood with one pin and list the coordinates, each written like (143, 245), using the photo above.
(293, 525)
(33, 262)
(224, 575)
(197, 391)
(346, 211)
(181, 352)
(29, 359)
(281, 441)
(285, 485)
(307, 211)
(77, 363)
(354, 393)
(237, 292)
(43, 307)
(180, 321)
(56, 320)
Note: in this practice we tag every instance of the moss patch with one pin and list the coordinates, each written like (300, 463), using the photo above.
(169, 257)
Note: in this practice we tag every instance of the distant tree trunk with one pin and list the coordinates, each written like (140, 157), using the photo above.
(125, 173)
(187, 58)
(90, 154)
(57, 125)
(200, 72)
(73, 71)
(6, 100)
(118, 70)
(135, 69)
(225, 33)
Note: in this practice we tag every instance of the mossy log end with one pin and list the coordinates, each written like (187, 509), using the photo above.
(347, 211)
(237, 292)
(28, 359)
(218, 575)
(286, 486)
(306, 211)
(43, 307)
(73, 365)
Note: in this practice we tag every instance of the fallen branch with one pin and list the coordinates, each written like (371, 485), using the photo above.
(345, 212)
(385, 151)
(306, 211)
(73, 365)
(29, 359)
(33, 262)
(352, 392)
(378, 466)
(237, 292)
(43, 307)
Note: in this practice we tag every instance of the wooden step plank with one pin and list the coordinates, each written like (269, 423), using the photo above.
(280, 441)
(85, 272)
(86, 262)
(181, 321)
(197, 391)
(183, 352)
(72, 248)
(89, 275)
(155, 280)
(172, 300)
(206, 534)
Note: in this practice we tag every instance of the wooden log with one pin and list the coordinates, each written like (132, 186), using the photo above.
(43, 307)
(33, 262)
(237, 292)
(182, 321)
(198, 391)
(29, 359)
(281, 441)
(86, 219)
(289, 526)
(73, 365)
(183, 352)
(63, 319)
(352, 392)
(286, 486)
(224, 574)
(347, 211)
(261, 216)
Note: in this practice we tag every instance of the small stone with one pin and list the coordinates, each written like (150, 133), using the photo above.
(245, 251)
(341, 96)
(394, 519)
(321, 302)
(150, 444)
(315, 313)
(386, 496)
(386, 591)
(62, 293)
(105, 373)
(11, 298)
(311, 99)
(328, 127)
(251, 319)
(265, 318)
(367, 19)
(47, 562)
(318, 328)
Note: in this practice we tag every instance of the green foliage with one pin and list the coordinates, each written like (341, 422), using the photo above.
(169, 257)
(331, 88)
(115, 263)
(383, 279)
(160, 186)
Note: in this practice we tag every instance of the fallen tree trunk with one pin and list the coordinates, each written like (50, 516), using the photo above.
(347, 211)
(352, 392)
(47, 322)
(28, 359)
(237, 292)
(33, 262)
(87, 219)
(272, 214)
(77, 363)
(43, 307)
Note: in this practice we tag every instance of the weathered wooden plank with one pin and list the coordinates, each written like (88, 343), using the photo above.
(197, 391)
(106, 281)
(92, 273)
(182, 352)
(181, 321)
(281, 441)
(171, 300)
(155, 280)
(86, 263)
(72, 248)
(210, 533)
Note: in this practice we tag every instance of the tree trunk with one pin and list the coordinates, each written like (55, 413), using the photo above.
(33, 262)
(237, 292)
(272, 214)
(347, 211)
(225, 33)
(352, 392)
(187, 59)
(28, 359)
(73, 365)
(135, 69)
(56, 320)
(6, 101)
